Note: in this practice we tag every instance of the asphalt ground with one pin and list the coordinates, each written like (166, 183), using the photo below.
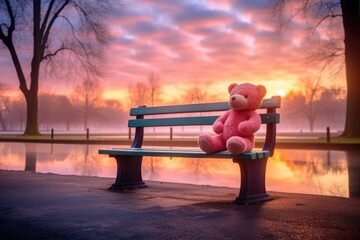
(49, 206)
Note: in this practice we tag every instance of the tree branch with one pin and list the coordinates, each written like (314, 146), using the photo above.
(49, 55)
(47, 15)
(324, 18)
(2, 35)
(11, 28)
(51, 23)
(7, 40)
(98, 32)
(75, 37)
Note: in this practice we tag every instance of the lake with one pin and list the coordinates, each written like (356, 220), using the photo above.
(332, 173)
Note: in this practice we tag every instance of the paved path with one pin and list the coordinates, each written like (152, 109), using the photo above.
(49, 206)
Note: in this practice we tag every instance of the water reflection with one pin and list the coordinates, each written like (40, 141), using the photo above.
(30, 157)
(353, 159)
(334, 173)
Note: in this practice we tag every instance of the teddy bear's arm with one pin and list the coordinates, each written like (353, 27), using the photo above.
(218, 125)
(251, 125)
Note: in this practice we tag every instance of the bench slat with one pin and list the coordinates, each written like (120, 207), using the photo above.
(181, 153)
(273, 102)
(188, 108)
(192, 121)
(180, 121)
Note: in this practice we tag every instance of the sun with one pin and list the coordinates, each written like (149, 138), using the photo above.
(281, 92)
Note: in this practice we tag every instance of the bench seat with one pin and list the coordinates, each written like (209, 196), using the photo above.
(182, 153)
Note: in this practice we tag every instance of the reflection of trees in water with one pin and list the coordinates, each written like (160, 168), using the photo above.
(30, 157)
(311, 166)
(3, 156)
(12, 148)
(150, 167)
(85, 161)
(200, 168)
(194, 167)
(83, 158)
(353, 159)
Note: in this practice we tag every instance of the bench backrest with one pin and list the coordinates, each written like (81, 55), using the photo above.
(270, 117)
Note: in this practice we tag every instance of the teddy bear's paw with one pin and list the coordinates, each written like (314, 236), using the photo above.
(218, 128)
(205, 144)
(236, 145)
(248, 128)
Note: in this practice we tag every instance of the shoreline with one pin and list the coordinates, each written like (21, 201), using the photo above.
(283, 143)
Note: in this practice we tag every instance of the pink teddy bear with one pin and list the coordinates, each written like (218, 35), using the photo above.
(235, 128)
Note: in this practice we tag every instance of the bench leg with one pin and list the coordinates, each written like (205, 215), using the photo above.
(252, 184)
(128, 173)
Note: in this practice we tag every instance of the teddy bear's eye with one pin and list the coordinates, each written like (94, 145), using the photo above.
(246, 96)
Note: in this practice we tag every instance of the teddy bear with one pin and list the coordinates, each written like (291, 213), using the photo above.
(236, 127)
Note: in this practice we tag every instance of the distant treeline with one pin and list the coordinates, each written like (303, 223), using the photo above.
(305, 110)
(60, 112)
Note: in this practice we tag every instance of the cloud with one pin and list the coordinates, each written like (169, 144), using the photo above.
(196, 14)
(216, 40)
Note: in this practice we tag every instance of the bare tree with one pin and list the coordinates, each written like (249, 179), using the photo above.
(314, 103)
(71, 29)
(88, 94)
(328, 14)
(154, 85)
(138, 94)
(311, 90)
(198, 93)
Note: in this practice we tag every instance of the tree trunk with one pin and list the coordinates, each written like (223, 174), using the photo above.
(311, 125)
(351, 22)
(311, 115)
(31, 114)
(31, 95)
(86, 112)
(2, 121)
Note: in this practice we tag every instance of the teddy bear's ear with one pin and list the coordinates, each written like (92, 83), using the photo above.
(262, 90)
(231, 86)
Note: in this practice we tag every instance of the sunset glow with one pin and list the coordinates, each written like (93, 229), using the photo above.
(217, 42)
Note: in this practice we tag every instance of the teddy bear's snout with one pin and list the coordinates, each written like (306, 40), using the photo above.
(238, 102)
(237, 98)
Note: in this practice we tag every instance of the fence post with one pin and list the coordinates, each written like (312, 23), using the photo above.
(52, 133)
(87, 133)
(171, 133)
(327, 134)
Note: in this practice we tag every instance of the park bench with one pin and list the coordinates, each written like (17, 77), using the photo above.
(252, 164)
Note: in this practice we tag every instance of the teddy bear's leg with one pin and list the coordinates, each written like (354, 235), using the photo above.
(238, 145)
(211, 144)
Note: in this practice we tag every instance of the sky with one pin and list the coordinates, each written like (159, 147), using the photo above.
(196, 42)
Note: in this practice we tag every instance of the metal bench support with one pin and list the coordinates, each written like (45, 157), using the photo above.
(252, 183)
(128, 173)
